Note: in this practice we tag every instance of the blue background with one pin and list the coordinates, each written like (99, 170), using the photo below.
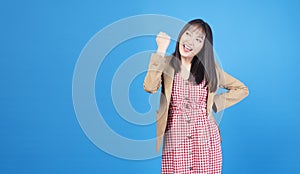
(257, 42)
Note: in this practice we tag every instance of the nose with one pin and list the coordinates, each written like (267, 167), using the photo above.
(190, 42)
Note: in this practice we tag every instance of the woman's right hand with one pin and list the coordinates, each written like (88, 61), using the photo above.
(163, 41)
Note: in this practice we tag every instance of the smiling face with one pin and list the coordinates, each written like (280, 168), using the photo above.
(191, 42)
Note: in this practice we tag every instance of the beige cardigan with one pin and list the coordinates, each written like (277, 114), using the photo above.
(160, 72)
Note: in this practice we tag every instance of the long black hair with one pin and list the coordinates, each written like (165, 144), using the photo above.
(203, 64)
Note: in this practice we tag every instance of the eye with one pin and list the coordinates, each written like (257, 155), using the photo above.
(199, 40)
(187, 33)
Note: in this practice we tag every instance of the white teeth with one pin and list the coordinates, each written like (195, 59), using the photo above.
(187, 47)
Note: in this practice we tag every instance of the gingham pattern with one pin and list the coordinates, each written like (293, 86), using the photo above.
(192, 142)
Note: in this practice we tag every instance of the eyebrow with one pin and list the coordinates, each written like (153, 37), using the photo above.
(201, 35)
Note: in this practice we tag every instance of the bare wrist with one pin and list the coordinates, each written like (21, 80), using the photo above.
(161, 51)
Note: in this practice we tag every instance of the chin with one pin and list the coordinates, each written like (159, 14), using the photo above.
(187, 55)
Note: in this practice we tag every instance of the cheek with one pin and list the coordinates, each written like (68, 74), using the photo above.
(198, 48)
(182, 39)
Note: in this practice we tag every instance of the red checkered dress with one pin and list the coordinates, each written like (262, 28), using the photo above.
(192, 142)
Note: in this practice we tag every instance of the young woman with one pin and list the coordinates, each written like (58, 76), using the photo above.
(190, 79)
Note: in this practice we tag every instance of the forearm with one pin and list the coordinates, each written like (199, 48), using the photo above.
(153, 77)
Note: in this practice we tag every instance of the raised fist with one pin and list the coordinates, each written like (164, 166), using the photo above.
(163, 41)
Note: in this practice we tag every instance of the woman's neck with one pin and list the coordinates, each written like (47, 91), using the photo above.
(185, 67)
(186, 63)
(186, 60)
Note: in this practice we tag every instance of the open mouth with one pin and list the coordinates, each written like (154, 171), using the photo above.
(187, 48)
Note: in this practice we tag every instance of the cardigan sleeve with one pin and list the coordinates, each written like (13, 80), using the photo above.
(153, 77)
(236, 91)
